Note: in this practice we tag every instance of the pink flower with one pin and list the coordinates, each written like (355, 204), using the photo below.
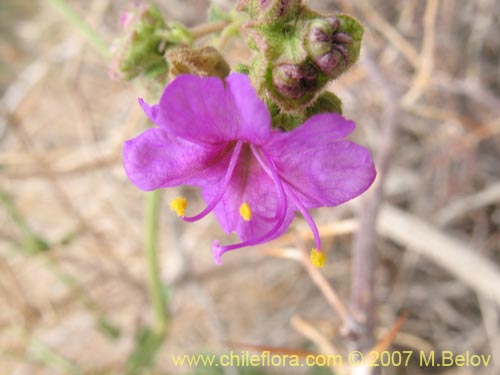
(217, 135)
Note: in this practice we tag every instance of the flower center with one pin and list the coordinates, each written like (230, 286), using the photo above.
(283, 191)
(268, 167)
(224, 183)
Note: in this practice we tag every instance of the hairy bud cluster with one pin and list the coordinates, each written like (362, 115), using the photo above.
(296, 53)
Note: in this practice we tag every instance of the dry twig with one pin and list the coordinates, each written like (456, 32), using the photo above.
(363, 268)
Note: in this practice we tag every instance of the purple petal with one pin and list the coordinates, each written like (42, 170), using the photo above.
(324, 127)
(192, 108)
(203, 110)
(321, 168)
(247, 110)
(154, 160)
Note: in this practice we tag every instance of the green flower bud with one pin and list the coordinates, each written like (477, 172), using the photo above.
(333, 43)
(270, 11)
(141, 49)
(279, 9)
(317, 41)
(294, 81)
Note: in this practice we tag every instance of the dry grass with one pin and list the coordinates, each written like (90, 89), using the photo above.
(64, 121)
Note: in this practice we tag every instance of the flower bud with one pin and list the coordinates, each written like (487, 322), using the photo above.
(286, 79)
(294, 81)
(140, 50)
(270, 11)
(318, 39)
(128, 15)
(326, 45)
(333, 22)
(279, 9)
(329, 61)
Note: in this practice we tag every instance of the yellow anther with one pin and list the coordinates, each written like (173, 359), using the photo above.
(179, 205)
(245, 212)
(318, 258)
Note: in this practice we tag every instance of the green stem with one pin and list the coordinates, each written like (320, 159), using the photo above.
(30, 240)
(156, 292)
(179, 34)
(74, 18)
(208, 28)
(52, 359)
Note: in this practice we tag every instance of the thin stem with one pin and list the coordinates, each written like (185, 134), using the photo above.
(204, 29)
(74, 18)
(155, 286)
(30, 240)
(35, 244)
(51, 358)
(328, 292)
(308, 218)
(364, 253)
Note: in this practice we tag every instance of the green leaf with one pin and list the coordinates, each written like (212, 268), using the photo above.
(287, 121)
(326, 102)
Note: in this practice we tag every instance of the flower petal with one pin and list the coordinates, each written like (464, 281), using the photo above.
(203, 110)
(247, 110)
(154, 160)
(193, 108)
(320, 167)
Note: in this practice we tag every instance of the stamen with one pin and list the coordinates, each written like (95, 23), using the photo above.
(318, 258)
(245, 211)
(271, 171)
(223, 186)
(179, 205)
(307, 216)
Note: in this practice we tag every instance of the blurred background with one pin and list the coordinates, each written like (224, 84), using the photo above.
(73, 271)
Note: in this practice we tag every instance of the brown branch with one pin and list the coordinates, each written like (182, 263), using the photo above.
(364, 257)
(319, 279)
(390, 33)
(426, 65)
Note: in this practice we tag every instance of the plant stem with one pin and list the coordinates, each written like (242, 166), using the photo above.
(74, 18)
(51, 358)
(30, 240)
(364, 252)
(204, 29)
(156, 292)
